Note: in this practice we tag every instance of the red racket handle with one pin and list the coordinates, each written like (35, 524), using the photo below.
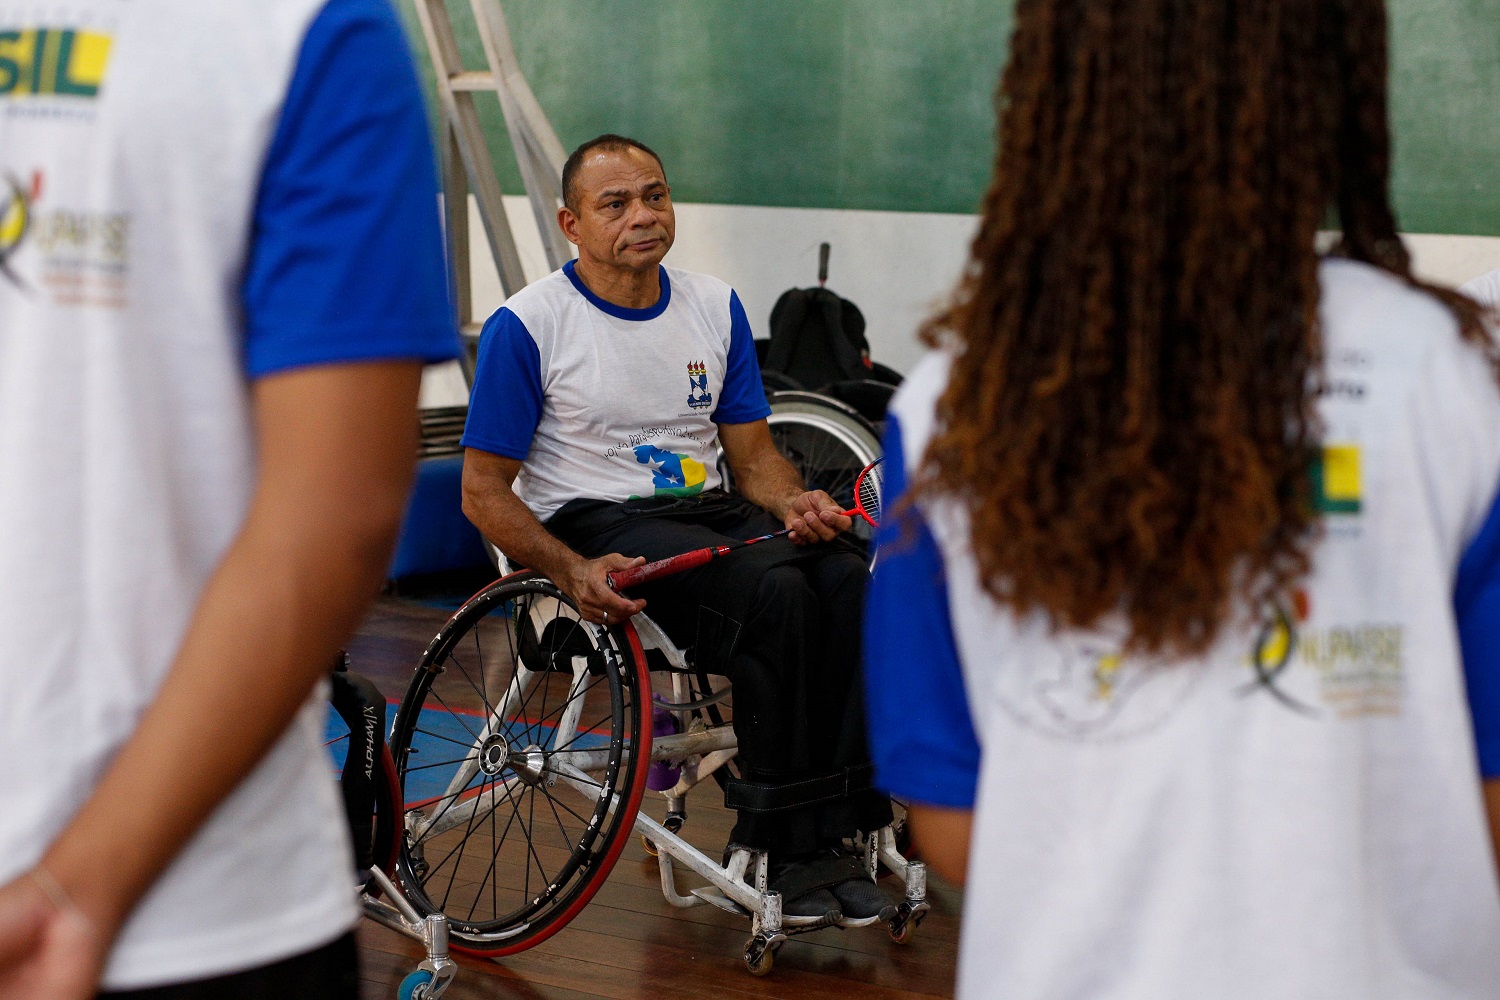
(624, 578)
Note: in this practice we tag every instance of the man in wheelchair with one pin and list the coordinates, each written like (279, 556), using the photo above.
(599, 394)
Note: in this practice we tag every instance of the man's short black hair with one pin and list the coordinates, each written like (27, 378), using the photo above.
(608, 141)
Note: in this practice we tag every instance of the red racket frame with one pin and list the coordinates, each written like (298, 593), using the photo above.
(623, 579)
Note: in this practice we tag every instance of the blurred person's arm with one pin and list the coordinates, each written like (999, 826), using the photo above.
(1492, 806)
(941, 838)
(922, 737)
(1476, 605)
(490, 502)
(344, 278)
(294, 584)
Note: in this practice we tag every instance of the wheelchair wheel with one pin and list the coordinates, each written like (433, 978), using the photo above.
(521, 749)
(827, 441)
(371, 789)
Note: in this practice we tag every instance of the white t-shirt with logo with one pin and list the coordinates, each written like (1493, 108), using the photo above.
(603, 402)
(192, 196)
(1295, 814)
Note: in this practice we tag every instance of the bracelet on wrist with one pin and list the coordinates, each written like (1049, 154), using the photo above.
(53, 890)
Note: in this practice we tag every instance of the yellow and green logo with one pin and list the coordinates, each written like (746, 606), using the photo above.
(66, 62)
(15, 220)
(1280, 635)
(1336, 480)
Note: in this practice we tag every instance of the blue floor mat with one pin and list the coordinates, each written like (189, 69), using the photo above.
(440, 743)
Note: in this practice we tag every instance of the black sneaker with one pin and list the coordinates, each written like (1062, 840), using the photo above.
(803, 885)
(861, 898)
(818, 903)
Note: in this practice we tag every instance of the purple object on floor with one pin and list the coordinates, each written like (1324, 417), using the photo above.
(662, 775)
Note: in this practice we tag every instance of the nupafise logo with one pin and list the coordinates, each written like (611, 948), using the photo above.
(16, 201)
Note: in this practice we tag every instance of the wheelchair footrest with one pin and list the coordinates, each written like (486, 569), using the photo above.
(849, 923)
(791, 925)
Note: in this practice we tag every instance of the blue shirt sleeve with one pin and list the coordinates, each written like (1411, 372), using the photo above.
(346, 255)
(921, 733)
(743, 398)
(1476, 604)
(505, 404)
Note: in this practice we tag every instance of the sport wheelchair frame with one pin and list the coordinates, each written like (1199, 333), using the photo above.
(538, 727)
(539, 724)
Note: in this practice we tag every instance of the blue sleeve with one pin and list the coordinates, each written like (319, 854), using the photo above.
(505, 404)
(921, 734)
(1476, 604)
(346, 254)
(743, 398)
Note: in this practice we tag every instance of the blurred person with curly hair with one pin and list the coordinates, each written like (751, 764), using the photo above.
(1184, 639)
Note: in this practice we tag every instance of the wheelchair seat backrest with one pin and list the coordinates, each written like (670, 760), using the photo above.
(817, 338)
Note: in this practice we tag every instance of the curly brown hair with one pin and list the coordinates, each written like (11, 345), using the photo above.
(1130, 418)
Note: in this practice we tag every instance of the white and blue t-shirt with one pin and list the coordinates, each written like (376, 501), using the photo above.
(607, 403)
(192, 196)
(1485, 289)
(1297, 813)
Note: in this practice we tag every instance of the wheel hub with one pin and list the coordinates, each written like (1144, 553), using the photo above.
(530, 764)
(494, 754)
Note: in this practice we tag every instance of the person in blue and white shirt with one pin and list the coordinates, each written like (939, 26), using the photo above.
(220, 275)
(599, 396)
(1484, 289)
(1184, 638)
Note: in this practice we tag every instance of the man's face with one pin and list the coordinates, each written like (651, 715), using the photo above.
(623, 217)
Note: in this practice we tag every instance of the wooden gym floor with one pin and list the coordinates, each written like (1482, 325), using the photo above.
(629, 942)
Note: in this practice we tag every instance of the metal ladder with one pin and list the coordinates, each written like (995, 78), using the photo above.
(467, 165)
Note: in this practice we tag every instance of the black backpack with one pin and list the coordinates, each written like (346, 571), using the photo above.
(817, 338)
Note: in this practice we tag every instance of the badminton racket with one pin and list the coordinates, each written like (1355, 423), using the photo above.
(866, 506)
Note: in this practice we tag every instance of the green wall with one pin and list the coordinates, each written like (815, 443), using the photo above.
(887, 104)
(1445, 106)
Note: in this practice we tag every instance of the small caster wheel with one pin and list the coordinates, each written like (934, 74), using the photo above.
(416, 986)
(908, 918)
(759, 957)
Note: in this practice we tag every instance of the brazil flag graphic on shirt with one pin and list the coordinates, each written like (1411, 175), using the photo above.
(1336, 480)
(672, 475)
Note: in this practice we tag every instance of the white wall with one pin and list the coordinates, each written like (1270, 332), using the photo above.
(896, 266)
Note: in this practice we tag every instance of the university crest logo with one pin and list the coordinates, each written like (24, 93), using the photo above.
(698, 394)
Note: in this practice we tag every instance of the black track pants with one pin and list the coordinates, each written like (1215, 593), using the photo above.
(327, 973)
(782, 621)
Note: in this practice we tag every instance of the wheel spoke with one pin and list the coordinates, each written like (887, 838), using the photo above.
(582, 731)
(456, 716)
(445, 739)
(436, 763)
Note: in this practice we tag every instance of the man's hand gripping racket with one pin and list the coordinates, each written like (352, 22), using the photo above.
(866, 506)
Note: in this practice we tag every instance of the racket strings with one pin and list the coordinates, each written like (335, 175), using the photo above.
(867, 492)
